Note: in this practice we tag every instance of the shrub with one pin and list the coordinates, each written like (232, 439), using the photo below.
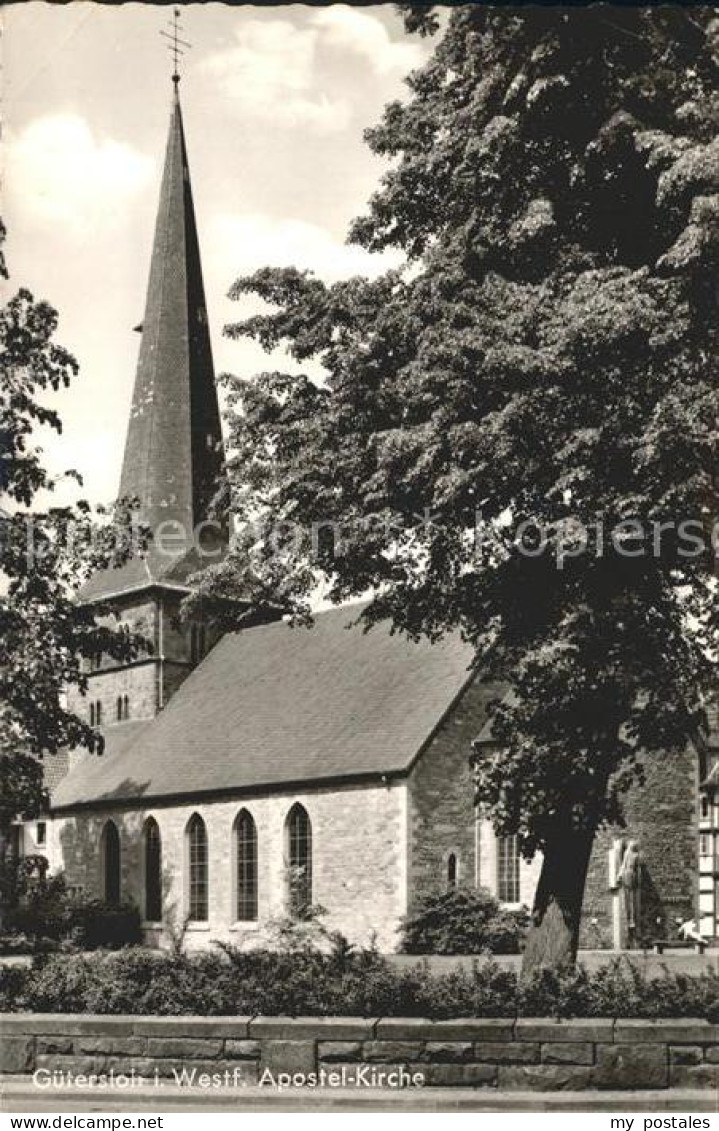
(13, 980)
(359, 983)
(43, 912)
(93, 924)
(463, 921)
(47, 915)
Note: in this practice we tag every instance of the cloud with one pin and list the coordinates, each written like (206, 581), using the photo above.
(295, 74)
(354, 31)
(270, 71)
(239, 244)
(58, 171)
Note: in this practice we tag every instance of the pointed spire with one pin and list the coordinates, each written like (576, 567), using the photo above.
(173, 451)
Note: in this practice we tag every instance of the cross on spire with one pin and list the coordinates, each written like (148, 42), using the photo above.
(176, 44)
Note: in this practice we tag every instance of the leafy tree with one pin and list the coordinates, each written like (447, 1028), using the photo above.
(503, 425)
(45, 555)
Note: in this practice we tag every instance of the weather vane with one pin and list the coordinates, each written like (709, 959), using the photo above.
(176, 44)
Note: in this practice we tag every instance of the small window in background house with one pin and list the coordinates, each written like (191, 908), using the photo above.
(41, 834)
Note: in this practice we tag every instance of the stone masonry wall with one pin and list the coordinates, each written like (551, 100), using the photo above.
(441, 798)
(138, 681)
(527, 1054)
(662, 815)
(151, 680)
(358, 860)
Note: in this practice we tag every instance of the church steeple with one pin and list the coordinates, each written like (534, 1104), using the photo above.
(173, 450)
(173, 457)
(172, 465)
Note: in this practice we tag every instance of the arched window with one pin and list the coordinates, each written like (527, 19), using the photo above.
(153, 871)
(126, 706)
(111, 862)
(92, 714)
(507, 870)
(246, 848)
(119, 707)
(452, 870)
(98, 713)
(299, 843)
(198, 904)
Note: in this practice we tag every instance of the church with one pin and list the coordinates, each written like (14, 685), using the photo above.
(248, 777)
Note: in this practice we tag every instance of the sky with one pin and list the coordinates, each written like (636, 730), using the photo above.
(275, 101)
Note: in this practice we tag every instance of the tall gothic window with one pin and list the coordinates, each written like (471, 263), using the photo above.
(246, 847)
(299, 843)
(198, 903)
(153, 871)
(452, 870)
(98, 713)
(119, 707)
(111, 862)
(92, 714)
(507, 869)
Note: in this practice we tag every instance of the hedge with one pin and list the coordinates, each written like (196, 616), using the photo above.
(355, 983)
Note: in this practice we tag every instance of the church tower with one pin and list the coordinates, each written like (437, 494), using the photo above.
(172, 468)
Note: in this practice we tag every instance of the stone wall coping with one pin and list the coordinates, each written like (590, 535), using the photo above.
(321, 1028)
(460, 1028)
(232, 1027)
(563, 1029)
(601, 1030)
(672, 1030)
(101, 1024)
(70, 1024)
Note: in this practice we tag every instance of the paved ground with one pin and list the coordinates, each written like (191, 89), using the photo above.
(678, 961)
(17, 1095)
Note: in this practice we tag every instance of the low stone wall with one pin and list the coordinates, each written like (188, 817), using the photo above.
(527, 1054)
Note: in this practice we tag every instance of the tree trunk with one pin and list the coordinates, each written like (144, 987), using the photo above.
(554, 934)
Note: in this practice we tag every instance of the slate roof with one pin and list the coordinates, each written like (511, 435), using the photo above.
(173, 457)
(272, 706)
(141, 572)
(118, 737)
